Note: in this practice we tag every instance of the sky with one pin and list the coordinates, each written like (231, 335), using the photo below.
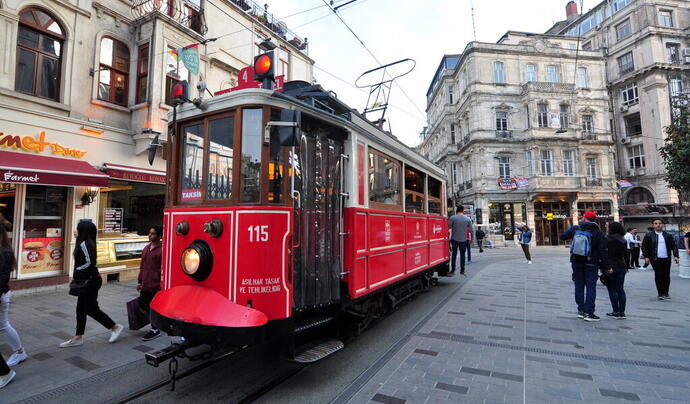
(398, 29)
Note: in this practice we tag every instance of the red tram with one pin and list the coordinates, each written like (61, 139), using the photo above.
(286, 210)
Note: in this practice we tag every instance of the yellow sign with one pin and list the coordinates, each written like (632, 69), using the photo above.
(549, 216)
(37, 145)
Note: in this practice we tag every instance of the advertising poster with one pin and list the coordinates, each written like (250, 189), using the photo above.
(112, 220)
(42, 254)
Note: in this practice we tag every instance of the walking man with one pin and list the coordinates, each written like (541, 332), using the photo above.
(634, 243)
(479, 235)
(588, 254)
(658, 247)
(150, 275)
(458, 224)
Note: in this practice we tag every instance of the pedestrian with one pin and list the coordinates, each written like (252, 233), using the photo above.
(658, 247)
(7, 264)
(479, 235)
(616, 244)
(469, 244)
(635, 248)
(646, 263)
(525, 239)
(6, 374)
(150, 275)
(85, 269)
(684, 270)
(628, 242)
(458, 224)
(588, 254)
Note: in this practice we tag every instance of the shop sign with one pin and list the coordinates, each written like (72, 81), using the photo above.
(551, 216)
(522, 182)
(44, 254)
(507, 183)
(112, 220)
(136, 177)
(37, 144)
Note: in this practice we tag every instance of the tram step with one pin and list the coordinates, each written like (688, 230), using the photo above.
(317, 350)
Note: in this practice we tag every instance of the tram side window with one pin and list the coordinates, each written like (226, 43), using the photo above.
(251, 154)
(192, 164)
(220, 138)
(276, 164)
(384, 180)
(434, 196)
(414, 191)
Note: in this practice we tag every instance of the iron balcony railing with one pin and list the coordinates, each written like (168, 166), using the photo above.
(261, 14)
(186, 12)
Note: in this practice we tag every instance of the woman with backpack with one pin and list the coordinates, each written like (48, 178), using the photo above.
(615, 275)
(7, 264)
(87, 299)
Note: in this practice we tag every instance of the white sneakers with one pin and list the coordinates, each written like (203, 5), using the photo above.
(71, 342)
(115, 334)
(5, 380)
(529, 262)
(16, 358)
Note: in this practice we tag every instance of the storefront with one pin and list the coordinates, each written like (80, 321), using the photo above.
(601, 208)
(506, 218)
(551, 219)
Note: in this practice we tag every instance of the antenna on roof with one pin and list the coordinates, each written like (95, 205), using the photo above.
(474, 28)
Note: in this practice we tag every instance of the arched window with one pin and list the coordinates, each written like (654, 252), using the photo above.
(639, 195)
(39, 54)
(113, 71)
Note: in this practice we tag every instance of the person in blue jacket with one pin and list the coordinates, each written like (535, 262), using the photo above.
(525, 239)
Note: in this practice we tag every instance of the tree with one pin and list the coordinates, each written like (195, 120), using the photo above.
(676, 154)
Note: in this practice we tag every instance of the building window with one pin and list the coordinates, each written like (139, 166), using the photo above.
(625, 63)
(633, 125)
(666, 18)
(193, 15)
(619, 4)
(639, 195)
(636, 156)
(142, 73)
(501, 121)
(623, 30)
(499, 75)
(564, 116)
(592, 167)
(452, 133)
(673, 52)
(450, 95)
(629, 94)
(283, 64)
(543, 115)
(175, 72)
(384, 180)
(166, 7)
(582, 79)
(587, 126)
(530, 163)
(113, 71)
(504, 167)
(531, 73)
(552, 74)
(547, 163)
(568, 163)
(414, 190)
(675, 84)
(39, 54)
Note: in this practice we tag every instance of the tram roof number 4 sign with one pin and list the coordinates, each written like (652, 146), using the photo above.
(245, 79)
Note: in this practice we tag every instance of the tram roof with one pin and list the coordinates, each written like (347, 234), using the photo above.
(318, 102)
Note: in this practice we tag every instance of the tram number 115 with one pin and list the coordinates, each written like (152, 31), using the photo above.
(258, 233)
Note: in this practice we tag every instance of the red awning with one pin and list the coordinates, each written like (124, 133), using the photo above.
(23, 168)
(135, 174)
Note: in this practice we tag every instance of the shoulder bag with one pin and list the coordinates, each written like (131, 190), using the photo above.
(78, 287)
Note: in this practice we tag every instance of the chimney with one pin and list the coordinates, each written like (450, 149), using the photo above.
(571, 11)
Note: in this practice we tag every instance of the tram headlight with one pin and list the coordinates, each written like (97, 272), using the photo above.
(197, 260)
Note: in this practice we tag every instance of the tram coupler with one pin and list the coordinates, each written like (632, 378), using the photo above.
(173, 350)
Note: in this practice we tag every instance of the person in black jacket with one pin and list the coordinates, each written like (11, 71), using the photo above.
(479, 235)
(617, 251)
(85, 269)
(586, 268)
(658, 247)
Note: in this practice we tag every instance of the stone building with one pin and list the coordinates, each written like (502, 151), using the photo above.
(646, 44)
(85, 86)
(521, 127)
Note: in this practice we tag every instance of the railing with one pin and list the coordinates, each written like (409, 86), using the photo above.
(185, 13)
(261, 14)
(504, 134)
(547, 87)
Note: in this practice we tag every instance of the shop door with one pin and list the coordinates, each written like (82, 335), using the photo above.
(508, 221)
(549, 231)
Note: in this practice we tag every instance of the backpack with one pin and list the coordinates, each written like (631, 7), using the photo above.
(680, 243)
(582, 244)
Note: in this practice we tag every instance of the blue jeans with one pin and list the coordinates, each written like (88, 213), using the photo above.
(462, 245)
(616, 292)
(469, 250)
(585, 277)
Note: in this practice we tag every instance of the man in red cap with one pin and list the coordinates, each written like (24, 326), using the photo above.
(588, 254)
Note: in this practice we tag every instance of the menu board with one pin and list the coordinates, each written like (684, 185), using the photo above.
(42, 254)
(112, 220)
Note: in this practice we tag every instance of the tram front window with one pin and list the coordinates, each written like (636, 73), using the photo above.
(192, 162)
(251, 154)
(220, 137)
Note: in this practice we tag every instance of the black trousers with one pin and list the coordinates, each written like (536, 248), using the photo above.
(480, 244)
(635, 257)
(662, 275)
(4, 369)
(525, 249)
(88, 305)
(626, 258)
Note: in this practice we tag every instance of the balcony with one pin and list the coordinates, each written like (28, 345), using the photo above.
(547, 87)
(186, 13)
(260, 13)
(504, 134)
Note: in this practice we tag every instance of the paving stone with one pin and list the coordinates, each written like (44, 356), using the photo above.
(452, 388)
(620, 394)
(382, 398)
(576, 375)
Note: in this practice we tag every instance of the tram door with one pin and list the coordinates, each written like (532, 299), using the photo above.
(317, 215)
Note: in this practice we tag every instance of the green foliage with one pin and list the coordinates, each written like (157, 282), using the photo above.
(676, 154)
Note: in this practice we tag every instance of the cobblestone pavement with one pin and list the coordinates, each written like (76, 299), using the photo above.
(511, 335)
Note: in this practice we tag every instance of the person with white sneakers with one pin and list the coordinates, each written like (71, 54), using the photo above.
(85, 269)
(6, 374)
(7, 264)
(525, 239)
